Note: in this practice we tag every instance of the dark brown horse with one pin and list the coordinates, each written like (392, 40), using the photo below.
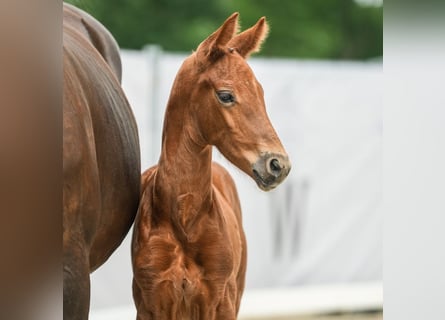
(189, 248)
(101, 161)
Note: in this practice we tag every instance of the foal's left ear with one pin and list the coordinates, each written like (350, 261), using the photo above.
(250, 41)
(214, 46)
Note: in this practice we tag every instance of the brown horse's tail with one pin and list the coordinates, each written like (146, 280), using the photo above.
(98, 35)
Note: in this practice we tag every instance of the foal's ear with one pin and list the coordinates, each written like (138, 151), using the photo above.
(250, 41)
(213, 47)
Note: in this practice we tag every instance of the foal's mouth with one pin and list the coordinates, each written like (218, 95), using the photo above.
(265, 184)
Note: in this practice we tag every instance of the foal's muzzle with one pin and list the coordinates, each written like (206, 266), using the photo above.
(270, 170)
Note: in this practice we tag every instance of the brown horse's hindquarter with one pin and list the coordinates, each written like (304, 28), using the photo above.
(101, 161)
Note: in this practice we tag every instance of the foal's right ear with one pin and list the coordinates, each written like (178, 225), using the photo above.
(213, 47)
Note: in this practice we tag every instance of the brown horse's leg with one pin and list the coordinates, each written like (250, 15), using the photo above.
(76, 281)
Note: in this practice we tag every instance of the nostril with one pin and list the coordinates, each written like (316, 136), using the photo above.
(275, 165)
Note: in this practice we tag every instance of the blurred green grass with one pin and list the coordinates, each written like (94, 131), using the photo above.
(315, 29)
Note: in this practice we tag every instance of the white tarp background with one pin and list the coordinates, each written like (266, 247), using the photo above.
(323, 224)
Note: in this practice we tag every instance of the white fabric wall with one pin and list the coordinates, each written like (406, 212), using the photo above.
(323, 224)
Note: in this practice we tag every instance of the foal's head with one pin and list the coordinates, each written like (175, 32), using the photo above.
(227, 103)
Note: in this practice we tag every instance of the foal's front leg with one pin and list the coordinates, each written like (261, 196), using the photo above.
(226, 311)
(159, 303)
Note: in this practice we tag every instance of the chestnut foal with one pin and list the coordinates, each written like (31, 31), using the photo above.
(189, 248)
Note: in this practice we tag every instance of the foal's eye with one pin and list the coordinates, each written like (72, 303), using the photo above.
(225, 97)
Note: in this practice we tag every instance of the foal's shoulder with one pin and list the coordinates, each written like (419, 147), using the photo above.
(142, 223)
(221, 176)
(147, 178)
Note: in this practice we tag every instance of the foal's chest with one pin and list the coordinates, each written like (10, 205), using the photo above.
(204, 264)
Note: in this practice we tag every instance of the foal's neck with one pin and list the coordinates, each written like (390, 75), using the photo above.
(184, 178)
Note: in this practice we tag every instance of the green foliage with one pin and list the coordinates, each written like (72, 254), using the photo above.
(325, 29)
